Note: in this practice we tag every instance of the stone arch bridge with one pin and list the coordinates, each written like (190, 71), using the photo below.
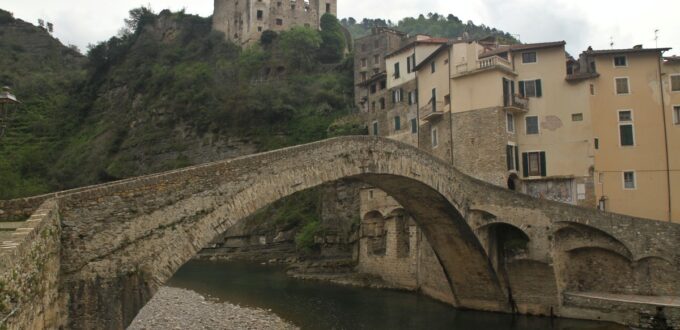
(92, 257)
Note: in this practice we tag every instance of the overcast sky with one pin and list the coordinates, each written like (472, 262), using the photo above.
(579, 22)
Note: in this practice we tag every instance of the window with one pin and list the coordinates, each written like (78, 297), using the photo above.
(376, 59)
(626, 130)
(414, 125)
(532, 125)
(447, 99)
(577, 117)
(534, 164)
(374, 88)
(620, 61)
(259, 29)
(383, 84)
(433, 66)
(629, 180)
(397, 95)
(435, 138)
(622, 86)
(512, 152)
(279, 21)
(396, 71)
(382, 103)
(408, 65)
(375, 128)
(363, 76)
(597, 143)
(529, 57)
(676, 115)
(675, 83)
(531, 88)
(328, 7)
(412, 98)
(397, 123)
(364, 62)
(434, 100)
(260, 14)
(510, 122)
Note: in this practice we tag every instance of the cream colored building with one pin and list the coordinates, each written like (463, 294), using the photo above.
(633, 131)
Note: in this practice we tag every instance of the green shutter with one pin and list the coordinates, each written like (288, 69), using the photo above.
(539, 88)
(508, 157)
(627, 138)
(397, 123)
(544, 170)
(521, 89)
(525, 164)
(516, 158)
(408, 65)
(414, 125)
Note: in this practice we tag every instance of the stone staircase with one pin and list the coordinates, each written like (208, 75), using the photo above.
(7, 231)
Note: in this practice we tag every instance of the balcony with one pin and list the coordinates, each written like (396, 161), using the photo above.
(430, 113)
(488, 63)
(516, 103)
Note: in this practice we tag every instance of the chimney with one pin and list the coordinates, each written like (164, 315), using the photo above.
(637, 47)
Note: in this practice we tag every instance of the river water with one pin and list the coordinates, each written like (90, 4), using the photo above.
(318, 305)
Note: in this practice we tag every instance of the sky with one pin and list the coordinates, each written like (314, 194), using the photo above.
(581, 23)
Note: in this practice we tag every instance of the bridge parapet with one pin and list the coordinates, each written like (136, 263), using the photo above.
(29, 272)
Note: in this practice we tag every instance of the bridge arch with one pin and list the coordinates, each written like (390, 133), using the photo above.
(153, 226)
(119, 242)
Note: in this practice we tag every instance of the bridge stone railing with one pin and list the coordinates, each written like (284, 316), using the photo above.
(29, 271)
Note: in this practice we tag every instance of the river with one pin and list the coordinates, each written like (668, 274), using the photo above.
(318, 305)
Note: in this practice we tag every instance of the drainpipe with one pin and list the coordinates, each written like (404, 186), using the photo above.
(448, 79)
(415, 72)
(665, 135)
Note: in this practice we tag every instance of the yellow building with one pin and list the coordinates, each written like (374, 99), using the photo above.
(633, 131)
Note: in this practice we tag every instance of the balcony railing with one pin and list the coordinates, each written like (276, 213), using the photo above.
(517, 102)
(429, 112)
(482, 64)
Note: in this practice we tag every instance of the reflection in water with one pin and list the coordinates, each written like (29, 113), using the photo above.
(317, 305)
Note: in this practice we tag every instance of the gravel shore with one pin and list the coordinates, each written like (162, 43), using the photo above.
(173, 308)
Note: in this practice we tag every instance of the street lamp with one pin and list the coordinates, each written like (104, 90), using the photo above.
(6, 100)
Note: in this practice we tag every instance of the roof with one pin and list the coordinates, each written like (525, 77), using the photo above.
(377, 30)
(418, 42)
(592, 52)
(522, 47)
(433, 55)
(372, 79)
(675, 59)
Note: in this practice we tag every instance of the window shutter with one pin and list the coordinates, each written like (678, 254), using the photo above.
(394, 96)
(539, 88)
(512, 87)
(544, 170)
(516, 158)
(508, 157)
(408, 65)
(521, 89)
(401, 94)
(525, 164)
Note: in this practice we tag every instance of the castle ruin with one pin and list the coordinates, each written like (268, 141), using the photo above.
(243, 21)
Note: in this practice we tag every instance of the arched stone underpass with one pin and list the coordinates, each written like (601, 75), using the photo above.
(119, 242)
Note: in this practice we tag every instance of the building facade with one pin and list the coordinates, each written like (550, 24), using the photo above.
(244, 21)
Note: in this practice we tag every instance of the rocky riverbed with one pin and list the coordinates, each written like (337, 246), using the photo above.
(173, 308)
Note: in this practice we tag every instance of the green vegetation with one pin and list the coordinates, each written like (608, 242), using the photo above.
(141, 101)
(433, 24)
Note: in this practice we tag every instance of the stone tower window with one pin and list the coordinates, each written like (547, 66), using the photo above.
(328, 8)
(279, 21)
(260, 14)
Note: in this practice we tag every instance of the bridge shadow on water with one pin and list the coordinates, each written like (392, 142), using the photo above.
(318, 305)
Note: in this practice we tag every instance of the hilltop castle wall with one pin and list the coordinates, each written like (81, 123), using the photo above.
(243, 21)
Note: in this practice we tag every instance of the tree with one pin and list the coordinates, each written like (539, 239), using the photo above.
(332, 40)
(300, 45)
(139, 17)
(268, 37)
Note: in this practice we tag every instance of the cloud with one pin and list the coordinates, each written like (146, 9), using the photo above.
(579, 22)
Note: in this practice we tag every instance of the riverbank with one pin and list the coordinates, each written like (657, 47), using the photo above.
(173, 308)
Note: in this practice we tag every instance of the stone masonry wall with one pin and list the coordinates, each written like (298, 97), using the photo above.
(29, 273)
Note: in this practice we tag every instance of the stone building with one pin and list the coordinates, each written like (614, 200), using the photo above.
(244, 21)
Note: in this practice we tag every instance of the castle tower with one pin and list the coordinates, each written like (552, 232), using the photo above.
(243, 21)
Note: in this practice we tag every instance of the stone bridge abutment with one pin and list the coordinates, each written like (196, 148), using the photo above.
(118, 243)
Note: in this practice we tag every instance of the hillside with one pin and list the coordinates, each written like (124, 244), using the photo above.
(43, 74)
(433, 24)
